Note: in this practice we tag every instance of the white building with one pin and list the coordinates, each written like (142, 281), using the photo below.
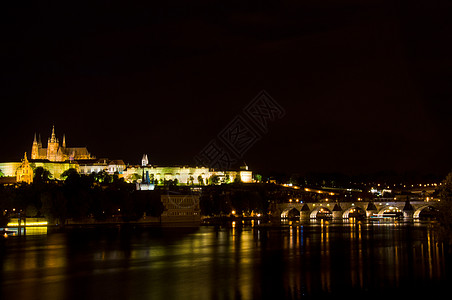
(186, 175)
(103, 164)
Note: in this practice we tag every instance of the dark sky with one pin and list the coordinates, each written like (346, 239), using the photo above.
(366, 85)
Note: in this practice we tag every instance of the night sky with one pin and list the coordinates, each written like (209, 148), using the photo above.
(365, 85)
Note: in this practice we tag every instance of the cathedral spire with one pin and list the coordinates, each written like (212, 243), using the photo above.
(53, 138)
(64, 141)
(34, 140)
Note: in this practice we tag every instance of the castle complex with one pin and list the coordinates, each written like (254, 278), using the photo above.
(57, 152)
(58, 158)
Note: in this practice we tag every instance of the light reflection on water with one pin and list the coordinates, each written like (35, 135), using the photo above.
(237, 262)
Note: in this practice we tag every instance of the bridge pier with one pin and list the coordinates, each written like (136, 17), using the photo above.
(276, 213)
(408, 214)
(408, 210)
(305, 213)
(370, 213)
(337, 215)
(337, 212)
(371, 210)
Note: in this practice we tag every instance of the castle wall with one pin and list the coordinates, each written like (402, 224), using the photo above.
(9, 168)
(183, 174)
(56, 168)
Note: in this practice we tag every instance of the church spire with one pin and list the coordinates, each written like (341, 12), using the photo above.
(144, 160)
(34, 140)
(64, 141)
(53, 138)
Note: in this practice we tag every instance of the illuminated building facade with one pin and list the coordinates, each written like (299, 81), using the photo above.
(24, 172)
(103, 164)
(186, 175)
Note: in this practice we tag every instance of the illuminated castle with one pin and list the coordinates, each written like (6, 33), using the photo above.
(57, 152)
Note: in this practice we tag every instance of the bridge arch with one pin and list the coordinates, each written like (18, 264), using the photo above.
(290, 212)
(320, 211)
(354, 211)
(418, 211)
(389, 209)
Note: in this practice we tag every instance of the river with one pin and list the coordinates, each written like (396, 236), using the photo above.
(318, 259)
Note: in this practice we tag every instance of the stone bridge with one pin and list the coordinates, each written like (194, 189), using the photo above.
(343, 210)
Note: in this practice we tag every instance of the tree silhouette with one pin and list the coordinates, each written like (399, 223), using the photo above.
(41, 175)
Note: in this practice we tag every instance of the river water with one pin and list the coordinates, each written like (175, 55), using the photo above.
(313, 260)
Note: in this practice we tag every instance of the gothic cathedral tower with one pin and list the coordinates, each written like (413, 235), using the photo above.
(37, 150)
(52, 147)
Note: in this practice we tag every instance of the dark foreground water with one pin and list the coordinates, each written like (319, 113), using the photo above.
(315, 260)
